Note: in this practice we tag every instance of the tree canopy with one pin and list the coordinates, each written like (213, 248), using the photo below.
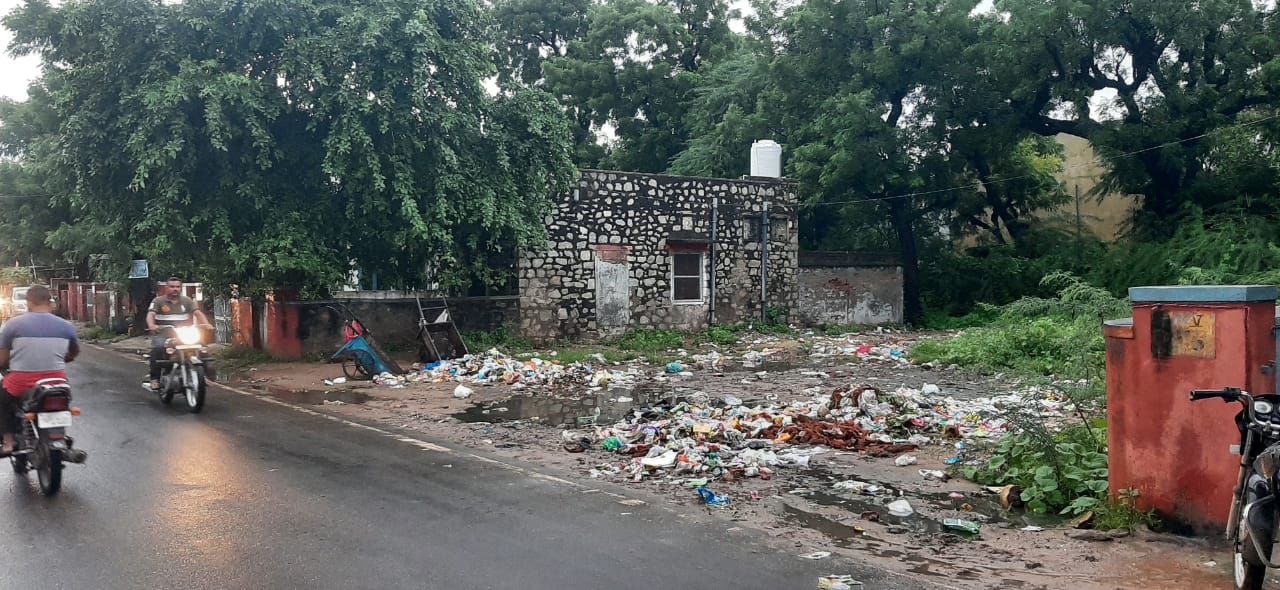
(284, 141)
(278, 143)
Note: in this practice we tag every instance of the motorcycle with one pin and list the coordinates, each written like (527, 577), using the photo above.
(184, 371)
(41, 441)
(1252, 524)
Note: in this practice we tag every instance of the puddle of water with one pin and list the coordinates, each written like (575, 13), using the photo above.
(572, 411)
(986, 509)
(916, 522)
(316, 398)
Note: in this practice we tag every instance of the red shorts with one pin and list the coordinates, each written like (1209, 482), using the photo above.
(16, 384)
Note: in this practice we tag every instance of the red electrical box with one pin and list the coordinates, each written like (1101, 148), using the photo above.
(1177, 454)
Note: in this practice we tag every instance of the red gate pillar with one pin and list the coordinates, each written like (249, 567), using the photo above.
(1175, 453)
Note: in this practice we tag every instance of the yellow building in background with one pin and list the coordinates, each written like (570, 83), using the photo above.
(1081, 172)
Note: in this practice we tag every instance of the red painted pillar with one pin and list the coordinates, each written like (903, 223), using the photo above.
(282, 341)
(1173, 452)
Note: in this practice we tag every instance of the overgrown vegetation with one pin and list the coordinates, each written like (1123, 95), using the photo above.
(1059, 336)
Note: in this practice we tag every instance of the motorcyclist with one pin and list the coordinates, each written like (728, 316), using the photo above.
(34, 346)
(170, 309)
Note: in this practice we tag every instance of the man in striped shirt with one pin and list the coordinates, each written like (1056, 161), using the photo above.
(171, 309)
(34, 346)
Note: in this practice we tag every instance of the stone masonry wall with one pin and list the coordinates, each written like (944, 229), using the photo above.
(607, 267)
(846, 289)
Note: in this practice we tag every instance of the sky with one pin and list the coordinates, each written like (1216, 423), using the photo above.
(15, 73)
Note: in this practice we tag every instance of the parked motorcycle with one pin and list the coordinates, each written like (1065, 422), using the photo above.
(1252, 524)
(184, 371)
(41, 441)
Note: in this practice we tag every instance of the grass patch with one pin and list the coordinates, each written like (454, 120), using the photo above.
(719, 336)
(99, 334)
(569, 357)
(835, 331)
(501, 339)
(241, 357)
(652, 342)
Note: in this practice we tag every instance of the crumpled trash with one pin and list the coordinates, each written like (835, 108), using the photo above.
(838, 582)
(934, 474)
(816, 555)
(930, 389)
(900, 508)
(713, 499)
(462, 392)
(663, 459)
(905, 460)
(860, 487)
(730, 400)
(675, 368)
(967, 527)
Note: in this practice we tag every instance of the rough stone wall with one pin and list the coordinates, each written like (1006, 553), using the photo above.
(607, 267)
(848, 290)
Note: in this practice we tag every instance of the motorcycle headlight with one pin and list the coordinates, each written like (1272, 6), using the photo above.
(1268, 463)
(189, 335)
(1261, 407)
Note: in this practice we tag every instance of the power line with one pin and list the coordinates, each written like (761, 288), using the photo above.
(1095, 161)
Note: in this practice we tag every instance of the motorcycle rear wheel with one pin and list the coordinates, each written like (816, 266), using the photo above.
(49, 470)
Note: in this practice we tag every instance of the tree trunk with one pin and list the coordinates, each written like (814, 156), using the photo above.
(912, 306)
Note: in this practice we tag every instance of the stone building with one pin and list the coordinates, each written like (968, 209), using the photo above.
(635, 251)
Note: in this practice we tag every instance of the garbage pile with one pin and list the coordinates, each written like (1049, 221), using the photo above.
(847, 347)
(494, 367)
(697, 437)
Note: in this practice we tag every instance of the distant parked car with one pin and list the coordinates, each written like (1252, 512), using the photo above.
(19, 300)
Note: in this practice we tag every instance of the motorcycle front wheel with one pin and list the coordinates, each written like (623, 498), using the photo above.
(1248, 574)
(195, 389)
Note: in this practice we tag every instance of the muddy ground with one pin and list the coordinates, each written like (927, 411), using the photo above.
(800, 508)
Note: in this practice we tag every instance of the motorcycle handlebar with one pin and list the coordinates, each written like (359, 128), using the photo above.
(1228, 394)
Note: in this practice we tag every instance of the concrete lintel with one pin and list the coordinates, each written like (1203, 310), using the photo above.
(1204, 294)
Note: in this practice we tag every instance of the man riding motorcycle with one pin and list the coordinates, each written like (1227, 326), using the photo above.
(170, 309)
(34, 346)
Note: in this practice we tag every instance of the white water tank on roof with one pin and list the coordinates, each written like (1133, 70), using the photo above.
(766, 159)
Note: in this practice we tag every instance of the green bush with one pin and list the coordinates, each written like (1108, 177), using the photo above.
(1064, 473)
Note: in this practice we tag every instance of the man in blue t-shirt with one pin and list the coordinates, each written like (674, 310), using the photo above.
(34, 346)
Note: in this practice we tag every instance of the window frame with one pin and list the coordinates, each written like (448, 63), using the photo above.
(702, 277)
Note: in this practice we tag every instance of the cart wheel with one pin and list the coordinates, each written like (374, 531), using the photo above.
(356, 367)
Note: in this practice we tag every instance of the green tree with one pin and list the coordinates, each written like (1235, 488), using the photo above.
(635, 71)
(851, 78)
(1174, 72)
(275, 143)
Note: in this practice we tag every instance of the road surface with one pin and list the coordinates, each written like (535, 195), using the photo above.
(258, 495)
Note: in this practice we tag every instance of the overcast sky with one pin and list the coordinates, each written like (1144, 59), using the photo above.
(14, 73)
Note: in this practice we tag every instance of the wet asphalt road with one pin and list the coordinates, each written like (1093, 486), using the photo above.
(254, 495)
